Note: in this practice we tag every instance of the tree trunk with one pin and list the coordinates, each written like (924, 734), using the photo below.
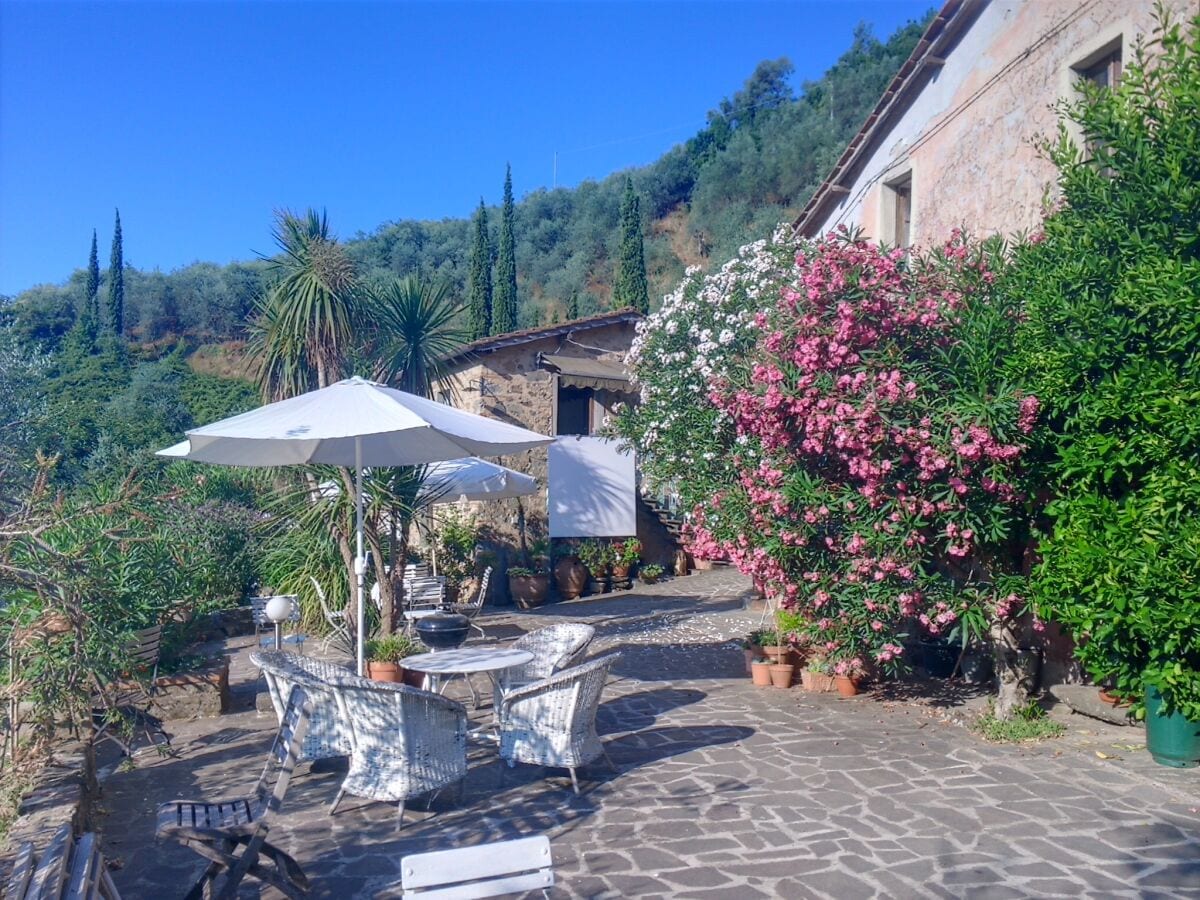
(1014, 692)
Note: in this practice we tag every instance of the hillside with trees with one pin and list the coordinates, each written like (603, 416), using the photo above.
(760, 156)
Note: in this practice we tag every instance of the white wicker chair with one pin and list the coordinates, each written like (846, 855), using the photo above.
(552, 722)
(329, 734)
(407, 742)
(553, 648)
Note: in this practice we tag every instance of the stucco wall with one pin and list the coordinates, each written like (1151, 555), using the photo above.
(970, 136)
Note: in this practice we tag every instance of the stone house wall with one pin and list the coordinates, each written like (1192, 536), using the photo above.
(969, 137)
(518, 392)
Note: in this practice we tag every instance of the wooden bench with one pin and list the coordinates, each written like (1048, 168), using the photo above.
(68, 870)
(486, 870)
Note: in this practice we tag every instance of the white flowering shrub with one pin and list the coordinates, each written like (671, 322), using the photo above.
(685, 348)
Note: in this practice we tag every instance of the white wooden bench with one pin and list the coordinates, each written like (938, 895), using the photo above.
(68, 870)
(486, 870)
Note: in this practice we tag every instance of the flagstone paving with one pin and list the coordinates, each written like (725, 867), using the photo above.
(721, 789)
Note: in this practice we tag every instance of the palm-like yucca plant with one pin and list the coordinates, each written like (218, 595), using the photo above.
(416, 321)
(303, 326)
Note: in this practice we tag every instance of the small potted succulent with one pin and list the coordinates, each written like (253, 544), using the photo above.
(384, 655)
(817, 675)
(651, 573)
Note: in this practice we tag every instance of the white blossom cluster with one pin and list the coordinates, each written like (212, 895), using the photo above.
(702, 326)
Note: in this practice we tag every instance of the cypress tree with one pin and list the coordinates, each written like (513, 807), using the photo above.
(479, 296)
(116, 282)
(505, 310)
(92, 307)
(573, 306)
(630, 287)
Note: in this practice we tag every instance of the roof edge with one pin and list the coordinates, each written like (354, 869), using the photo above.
(945, 28)
(496, 342)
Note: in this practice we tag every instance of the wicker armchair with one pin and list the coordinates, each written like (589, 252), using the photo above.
(329, 733)
(407, 742)
(553, 648)
(553, 722)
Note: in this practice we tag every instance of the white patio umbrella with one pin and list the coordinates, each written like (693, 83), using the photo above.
(354, 423)
(474, 479)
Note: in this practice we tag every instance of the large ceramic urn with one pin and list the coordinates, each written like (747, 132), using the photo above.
(571, 576)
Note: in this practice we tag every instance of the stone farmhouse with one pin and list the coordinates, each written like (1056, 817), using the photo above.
(560, 379)
(953, 141)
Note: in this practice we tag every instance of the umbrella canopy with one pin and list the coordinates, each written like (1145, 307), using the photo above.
(474, 479)
(353, 423)
(391, 427)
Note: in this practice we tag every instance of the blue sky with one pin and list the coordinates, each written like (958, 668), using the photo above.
(199, 119)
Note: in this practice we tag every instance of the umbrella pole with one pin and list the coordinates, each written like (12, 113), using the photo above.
(359, 562)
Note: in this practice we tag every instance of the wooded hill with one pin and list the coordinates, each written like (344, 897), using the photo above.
(761, 155)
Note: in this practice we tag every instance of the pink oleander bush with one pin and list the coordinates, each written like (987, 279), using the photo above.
(873, 458)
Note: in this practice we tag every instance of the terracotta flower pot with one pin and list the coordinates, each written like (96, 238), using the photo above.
(620, 572)
(571, 575)
(529, 591)
(816, 682)
(702, 564)
(847, 686)
(681, 563)
(412, 677)
(781, 674)
(761, 673)
(385, 671)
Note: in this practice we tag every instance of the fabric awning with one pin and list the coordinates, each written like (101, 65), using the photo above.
(577, 371)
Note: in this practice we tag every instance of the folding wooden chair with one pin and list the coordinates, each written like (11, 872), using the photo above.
(485, 870)
(68, 869)
(127, 704)
(218, 830)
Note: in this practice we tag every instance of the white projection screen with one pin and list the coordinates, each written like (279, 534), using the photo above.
(592, 488)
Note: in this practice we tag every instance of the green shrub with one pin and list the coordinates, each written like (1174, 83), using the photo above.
(1027, 723)
(1111, 346)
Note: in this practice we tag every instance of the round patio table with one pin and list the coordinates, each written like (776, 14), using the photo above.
(442, 665)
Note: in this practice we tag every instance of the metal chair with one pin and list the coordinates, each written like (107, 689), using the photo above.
(472, 607)
(218, 830)
(484, 870)
(127, 703)
(339, 627)
(552, 722)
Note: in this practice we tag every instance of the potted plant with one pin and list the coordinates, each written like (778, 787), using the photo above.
(651, 573)
(384, 654)
(624, 556)
(570, 575)
(847, 674)
(760, 672)
(597, 557)
(529, 588)
(817, 676)
(782, 673)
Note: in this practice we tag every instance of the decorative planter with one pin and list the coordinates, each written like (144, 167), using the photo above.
(529, 591)
(1172, 740)
(412, 677)
(846, 685)
(703, 565)
(385, 671)
(571, 577)
(621, 572)
(443, 631)
(761, 673)
(816, 682)
(647, 579)
(781, 674)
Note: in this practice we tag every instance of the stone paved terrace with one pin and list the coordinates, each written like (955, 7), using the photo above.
(723, 790)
